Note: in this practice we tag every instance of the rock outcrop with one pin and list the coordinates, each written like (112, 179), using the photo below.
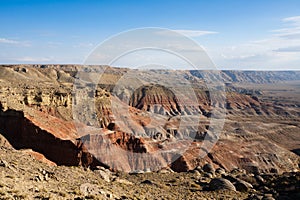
(48, 135)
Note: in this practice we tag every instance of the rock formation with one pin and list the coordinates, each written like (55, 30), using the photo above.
(72, 116)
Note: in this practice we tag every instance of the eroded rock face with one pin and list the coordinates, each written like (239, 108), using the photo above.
(157, 99)
(246, 155)
(122, 151)
(4, 142)
(54, 138)
(38, 105)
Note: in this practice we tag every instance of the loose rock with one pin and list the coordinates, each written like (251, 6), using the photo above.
(148, 182)
(221, 184)
(105, 174)
(220, 171)
(92, 189)
(3, 163)
(242, 186)
(208, 168)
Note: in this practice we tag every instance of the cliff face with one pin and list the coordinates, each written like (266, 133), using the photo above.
(145, 126)
(50, 136)
(160, 100)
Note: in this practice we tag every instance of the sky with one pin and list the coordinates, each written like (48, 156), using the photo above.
(236, 34)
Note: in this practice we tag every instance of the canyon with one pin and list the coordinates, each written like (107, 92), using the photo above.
(146, 120)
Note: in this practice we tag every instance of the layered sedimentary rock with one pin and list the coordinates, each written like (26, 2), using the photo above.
(136, 120)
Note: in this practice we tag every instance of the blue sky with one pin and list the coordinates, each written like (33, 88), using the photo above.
(237, 34)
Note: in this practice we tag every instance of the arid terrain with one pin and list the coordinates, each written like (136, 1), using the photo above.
(98, 132)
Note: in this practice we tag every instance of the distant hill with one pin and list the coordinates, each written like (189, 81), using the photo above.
(235, 76)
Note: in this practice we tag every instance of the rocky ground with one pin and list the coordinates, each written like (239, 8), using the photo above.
(23, 177)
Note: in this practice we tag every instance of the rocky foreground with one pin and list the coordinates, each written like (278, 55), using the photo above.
(23, 177)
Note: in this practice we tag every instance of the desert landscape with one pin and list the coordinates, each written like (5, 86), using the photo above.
(101, 132)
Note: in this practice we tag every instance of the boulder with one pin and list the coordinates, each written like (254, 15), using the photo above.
(208, 175)
(242, 186)
(123, 181)
(221, 184)
(147, 182)
(259, 179)
(165, 171)
(199, 169)
(220, 171)
(208, 168)
(105, 174)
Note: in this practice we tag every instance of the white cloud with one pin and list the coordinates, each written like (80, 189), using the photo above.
(8, 41)
(148, 46)
(195, 33)
(28, 59)
(234, 57)
(292, 32)
(14, 42)
(84, 45)
(288, 49)
(281, 50)
(295, 20)
(188, 33)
